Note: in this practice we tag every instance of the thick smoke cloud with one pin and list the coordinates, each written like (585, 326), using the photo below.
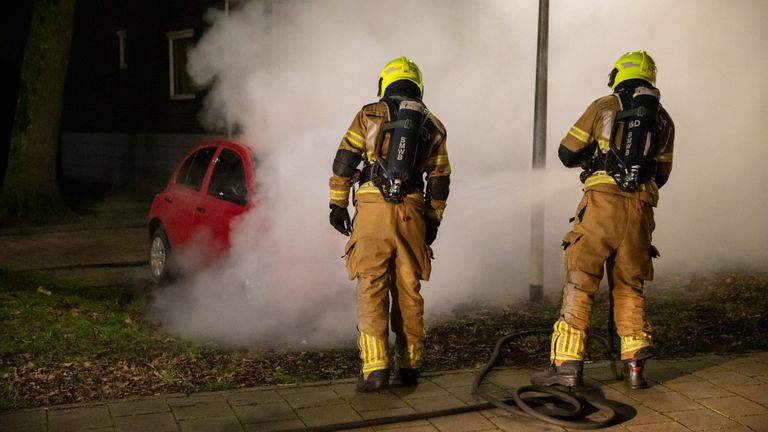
(292, 74)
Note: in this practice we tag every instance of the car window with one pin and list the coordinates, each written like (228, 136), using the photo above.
(194, 168)
(228, 178)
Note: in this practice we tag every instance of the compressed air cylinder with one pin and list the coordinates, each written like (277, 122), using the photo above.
(637, 136)
(404, 141)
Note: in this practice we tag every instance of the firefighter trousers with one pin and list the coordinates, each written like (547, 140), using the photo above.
(387, 254)
(606, 226)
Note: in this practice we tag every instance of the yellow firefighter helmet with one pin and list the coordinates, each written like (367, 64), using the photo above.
(401, 68)
(633, 64)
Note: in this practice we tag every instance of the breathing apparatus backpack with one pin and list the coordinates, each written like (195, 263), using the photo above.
(394, 175)
(632, 163)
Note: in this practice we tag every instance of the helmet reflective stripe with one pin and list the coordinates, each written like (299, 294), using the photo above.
(632, 65)
(398, 69)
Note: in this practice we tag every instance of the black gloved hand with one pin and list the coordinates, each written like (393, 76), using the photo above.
(340, 219)
(431, 232)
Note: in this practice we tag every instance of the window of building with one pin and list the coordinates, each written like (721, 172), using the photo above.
(179, 43)
(122, 35)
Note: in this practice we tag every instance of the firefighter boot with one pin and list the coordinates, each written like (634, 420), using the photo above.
(377, 380)
(569, 374)
(634, 374)
(634, 369)
(409, 377)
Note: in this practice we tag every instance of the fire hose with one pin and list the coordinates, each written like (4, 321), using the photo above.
(516, 404)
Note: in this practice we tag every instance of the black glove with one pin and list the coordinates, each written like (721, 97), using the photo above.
(340, 219)
(588, 163)
(431, 233)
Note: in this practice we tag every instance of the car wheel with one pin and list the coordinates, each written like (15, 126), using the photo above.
(160, 256)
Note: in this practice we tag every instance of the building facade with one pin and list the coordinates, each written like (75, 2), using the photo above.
(130, 109)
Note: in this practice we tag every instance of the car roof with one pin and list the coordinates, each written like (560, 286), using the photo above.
(223, 143)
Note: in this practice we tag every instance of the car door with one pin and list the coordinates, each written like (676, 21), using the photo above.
(227, 196)
(181, 200)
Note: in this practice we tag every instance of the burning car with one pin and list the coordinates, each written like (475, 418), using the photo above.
(212, 184)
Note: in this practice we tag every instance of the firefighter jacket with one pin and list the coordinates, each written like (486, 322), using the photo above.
(359, 144)
(595, 127)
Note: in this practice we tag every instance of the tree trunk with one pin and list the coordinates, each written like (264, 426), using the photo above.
(30, 189)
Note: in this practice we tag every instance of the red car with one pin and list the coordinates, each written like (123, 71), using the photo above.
(211, 185)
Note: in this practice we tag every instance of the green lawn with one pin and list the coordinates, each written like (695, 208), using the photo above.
(48, 320)
(64, 342)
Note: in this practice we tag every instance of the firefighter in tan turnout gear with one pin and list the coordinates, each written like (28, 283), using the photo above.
(623, 142)
(400, 198)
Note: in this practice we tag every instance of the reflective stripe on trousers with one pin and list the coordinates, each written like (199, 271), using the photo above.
(373, 353)
(568, 343)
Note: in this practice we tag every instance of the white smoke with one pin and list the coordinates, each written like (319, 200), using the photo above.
(292, 74)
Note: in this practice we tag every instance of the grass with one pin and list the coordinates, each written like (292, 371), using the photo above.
(49, 320)
(58, 333)
(65, 342)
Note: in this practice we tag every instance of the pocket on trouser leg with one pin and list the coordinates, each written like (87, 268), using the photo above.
(570, 239)
(373, 353)
(646, 269)
(367, 256)
(649, 273)
(581, 210)
(350, 261)
(425, 263)
(568, 342)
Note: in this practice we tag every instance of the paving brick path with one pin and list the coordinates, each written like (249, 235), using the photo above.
(704, 393)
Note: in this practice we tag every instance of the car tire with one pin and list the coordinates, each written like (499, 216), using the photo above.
(160, 257)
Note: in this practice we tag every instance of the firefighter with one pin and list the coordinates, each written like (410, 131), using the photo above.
(614, 221)
(400, 199)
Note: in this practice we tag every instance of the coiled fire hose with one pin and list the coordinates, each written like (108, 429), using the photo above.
(574, 419)
(520, 406)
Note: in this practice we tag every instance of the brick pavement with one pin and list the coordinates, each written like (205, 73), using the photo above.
(704, 393)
